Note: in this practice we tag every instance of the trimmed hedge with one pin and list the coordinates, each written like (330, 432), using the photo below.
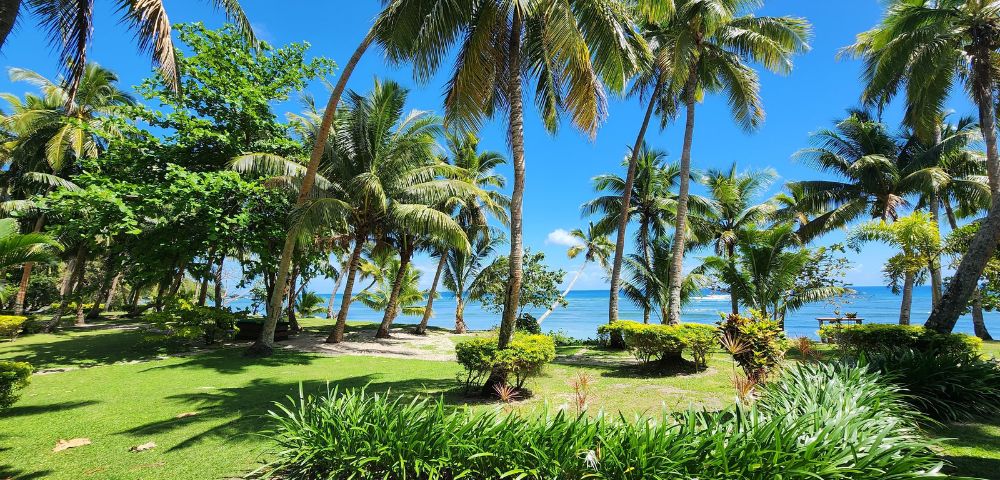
(10, 325)
(661, 343)
(13, 377)
(876, 337)
(523, 358)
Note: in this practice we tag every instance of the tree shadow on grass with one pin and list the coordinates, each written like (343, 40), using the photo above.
(81, 349)
(251, 402)
(25, 410)
(231, 360)
(14, 473)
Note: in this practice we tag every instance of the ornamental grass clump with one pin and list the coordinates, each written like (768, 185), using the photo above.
(813, 421)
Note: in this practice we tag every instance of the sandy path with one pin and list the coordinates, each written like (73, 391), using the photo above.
(402, 344)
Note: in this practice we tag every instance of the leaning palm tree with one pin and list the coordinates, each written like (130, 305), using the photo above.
(860, 150)
(70, 28)
(571, 49)
(919, 243)
(923, 48)
(733, 197)
(595, 246)
(711, 43)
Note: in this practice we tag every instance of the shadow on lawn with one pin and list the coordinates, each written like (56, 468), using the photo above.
(26, 410)
(13, 473)
(79, 349)
(251, 402)
(231, 360)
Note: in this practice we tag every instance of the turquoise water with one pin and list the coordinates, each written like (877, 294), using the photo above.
(589, 308)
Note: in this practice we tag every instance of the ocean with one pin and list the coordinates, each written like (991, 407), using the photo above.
(589, 308)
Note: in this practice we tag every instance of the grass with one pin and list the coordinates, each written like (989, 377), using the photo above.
(131, 398)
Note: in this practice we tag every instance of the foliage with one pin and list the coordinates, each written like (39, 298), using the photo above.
(184, 324)
(310, 303)
(796, 430)
(524, 357)
(10, 325)
(946, 385)
(915, 235)
(527, 323)
(13, 377)
(539, 284)
(757, 344)
(875, 338)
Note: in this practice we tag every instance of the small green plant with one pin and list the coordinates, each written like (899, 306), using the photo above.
(756, 344)
(10, 326)
(876, 337)
(523, 358)
(14, 376)
(183, 324)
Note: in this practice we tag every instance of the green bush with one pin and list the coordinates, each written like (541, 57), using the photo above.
(184, 324)
(757, 344)
(651, 343)
(832, 422)
(523, 358)
(876, 337)
(10, 325)
(13, 377)
(527, 323)
(945, 385)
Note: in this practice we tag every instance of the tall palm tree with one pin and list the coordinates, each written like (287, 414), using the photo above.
(568, 48)
(923, 48)
(472, 213)
(919, 242)
(648, 283)
(595, 246)
(733, 195)
(860, 150)
(791, 205)
(70, 28)
(711, 43)
(462, 269)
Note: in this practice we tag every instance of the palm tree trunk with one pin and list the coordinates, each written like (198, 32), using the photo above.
(264, 346)
(734, 301)
(616, 269)
(113, 291)
(293, 323)
(336, 288)
(647, 259)
(22, 289)
(935, 264)
(515, 135)
(978, 323)
(907, 303)
(73, 277)
(963, 284)
(565, 292)
(218, 281)
(680, 235)
(460, 314)
(422, 328)
(397, 285)
(337, 335)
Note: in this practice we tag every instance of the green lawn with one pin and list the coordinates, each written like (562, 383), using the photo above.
(132, 398)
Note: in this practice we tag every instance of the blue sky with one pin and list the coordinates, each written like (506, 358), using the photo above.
(559, 168)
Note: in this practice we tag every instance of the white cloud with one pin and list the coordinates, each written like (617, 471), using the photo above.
(561, 237)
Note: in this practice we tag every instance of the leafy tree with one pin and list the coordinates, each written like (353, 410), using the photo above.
(922, 48)
(70, 28)
(711, 43)
(595, 247)
(541, 284)
(987, 295)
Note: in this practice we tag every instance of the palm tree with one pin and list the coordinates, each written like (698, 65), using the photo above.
(791, 205)
(70, 27)
(732, 194)
(462, 269)
(861, 151)
(309, 303)
(18, 249)
(472, 213)
(567, 47)
(923, 48)
(919, 242)
(406, 298)
(711, 43)
(647, 285)
(53, 134)
(595, 247)
(766, 275)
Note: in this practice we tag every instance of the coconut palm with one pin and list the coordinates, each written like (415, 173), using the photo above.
(711, 43)
(919, 242)
(766, 274)
(922, 48)
(472, 213)
(567, 48)
(17, 249)
(595, 246)
(732, 195)
(791, 205)
(406, 298)
(70, 28)
(860, 150)
(309, 303)
(647, 285)
(462, 269)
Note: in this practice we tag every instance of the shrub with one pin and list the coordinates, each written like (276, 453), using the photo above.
(527, 323)
(523, 358)
(608, 332)
(661, 343)
(757, 344)
(10, 325)
(945, 385)
(184, 324)
(875, 337)
(13, 377)
(797, 430)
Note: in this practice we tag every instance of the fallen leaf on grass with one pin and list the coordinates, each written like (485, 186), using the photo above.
(143, 447)
(65, 444)
(186, 414)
